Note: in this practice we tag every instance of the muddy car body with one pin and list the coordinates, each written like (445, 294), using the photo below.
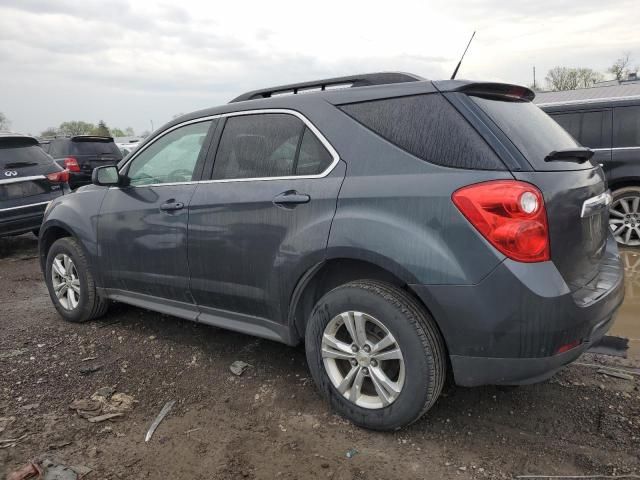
(402, 228)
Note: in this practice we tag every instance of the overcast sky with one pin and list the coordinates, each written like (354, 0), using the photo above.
(130, 63)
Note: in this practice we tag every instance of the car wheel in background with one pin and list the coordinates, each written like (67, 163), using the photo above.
(624, 218)
(70, 283)
(375, 354)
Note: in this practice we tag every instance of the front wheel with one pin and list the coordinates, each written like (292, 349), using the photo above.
(375, 354)
(624, 216)
(70, 282)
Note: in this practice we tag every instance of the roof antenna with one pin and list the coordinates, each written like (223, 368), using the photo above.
(455, 72)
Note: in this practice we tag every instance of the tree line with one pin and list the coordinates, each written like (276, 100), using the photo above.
(570, 78)
(76, 127)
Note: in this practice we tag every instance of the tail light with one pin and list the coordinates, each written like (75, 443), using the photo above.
(59, 177)
(510, 214)
(71, 164)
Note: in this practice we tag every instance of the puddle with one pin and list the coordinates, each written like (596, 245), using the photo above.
(627, 322)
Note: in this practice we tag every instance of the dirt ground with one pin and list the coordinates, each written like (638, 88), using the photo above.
(270, 422)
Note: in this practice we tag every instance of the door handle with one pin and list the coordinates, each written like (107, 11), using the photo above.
(291, 198)
(171, 206)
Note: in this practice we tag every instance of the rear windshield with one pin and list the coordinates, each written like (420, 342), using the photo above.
(94, 147)
(532, 131)
(14, 156)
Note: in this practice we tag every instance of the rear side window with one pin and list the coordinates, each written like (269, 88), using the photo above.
(626, 127)
(531, 130)
(428, 127)
(15, 154)
(591, 129)
(266, 146)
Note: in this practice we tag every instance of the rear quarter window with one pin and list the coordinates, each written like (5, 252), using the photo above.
(428, 127)
(626, 126)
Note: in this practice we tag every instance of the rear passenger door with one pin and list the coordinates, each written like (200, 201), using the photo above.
(264, 216)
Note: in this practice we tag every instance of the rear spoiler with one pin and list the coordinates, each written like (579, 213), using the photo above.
(91, 138)
(16, 139)
(487, 89)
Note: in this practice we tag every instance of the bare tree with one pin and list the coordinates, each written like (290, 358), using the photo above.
(587, 77)
(566, 78)
(619, 68)
(4, 122)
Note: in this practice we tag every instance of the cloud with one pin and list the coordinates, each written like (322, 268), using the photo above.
(128, 62)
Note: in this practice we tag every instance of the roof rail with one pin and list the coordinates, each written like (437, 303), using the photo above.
(362, 80)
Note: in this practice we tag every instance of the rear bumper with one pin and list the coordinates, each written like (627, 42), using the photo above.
(508, 328)
(475, 371)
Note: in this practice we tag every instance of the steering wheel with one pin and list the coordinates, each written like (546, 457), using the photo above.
(182, 175)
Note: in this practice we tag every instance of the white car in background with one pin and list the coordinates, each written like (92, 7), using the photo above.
(127, 144)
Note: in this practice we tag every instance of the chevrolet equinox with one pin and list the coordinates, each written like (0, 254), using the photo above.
(405, 230)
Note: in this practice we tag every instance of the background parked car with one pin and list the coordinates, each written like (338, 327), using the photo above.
(607, 120)
(29, 180)
(127, 144)
(80, 154)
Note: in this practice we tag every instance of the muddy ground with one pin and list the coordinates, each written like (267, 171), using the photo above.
(270, 422)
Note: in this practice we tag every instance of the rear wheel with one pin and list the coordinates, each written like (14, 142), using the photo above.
(375, 354)
(624, 219)
(70, 283)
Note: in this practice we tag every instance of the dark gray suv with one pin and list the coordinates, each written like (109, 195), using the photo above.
(403, 229)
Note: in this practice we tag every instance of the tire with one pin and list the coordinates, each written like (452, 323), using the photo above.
(89, 304)
(421, 371)
(626, 234)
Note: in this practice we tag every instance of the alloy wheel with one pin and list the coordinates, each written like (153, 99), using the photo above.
(624, 220)
(65, 281)
(363, 360)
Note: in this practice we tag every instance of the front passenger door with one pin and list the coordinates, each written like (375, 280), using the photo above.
(142, 228)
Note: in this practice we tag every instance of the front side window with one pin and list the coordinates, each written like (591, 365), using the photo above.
(170, 159)
(268, 145)
(626, 127)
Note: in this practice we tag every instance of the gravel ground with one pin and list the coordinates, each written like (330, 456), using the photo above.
(270, 422)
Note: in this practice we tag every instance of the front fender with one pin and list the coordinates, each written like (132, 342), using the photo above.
(77, 214)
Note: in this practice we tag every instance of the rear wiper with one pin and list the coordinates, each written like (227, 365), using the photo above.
(579, 155)
(19, 165)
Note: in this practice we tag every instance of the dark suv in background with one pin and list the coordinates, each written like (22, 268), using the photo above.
(80, 154)
(403, 229)
(607, 120)
(29, 180)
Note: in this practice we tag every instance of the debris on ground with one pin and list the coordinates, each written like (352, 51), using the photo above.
(31, 470)
(611, 346)
(12, 442)
(616, 374)
(352, 452)
(163, 413)
(238, 367)
(103, 405)
(89, 369)
(49, 470)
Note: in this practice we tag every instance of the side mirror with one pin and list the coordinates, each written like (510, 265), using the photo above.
(105, 176)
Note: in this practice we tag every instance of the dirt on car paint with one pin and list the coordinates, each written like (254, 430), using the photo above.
(270, 422)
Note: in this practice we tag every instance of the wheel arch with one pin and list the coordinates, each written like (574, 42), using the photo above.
(619, 183)
(49, 234)
(325, 276)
